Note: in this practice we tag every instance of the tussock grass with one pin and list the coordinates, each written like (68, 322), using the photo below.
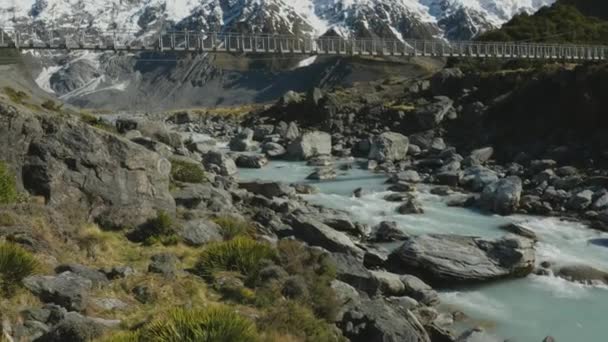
(233, 227)
(17, 96)
(299, 321)
(8, 188)
(183, 171)
(242, 254)
(211, 324)
(15, 264)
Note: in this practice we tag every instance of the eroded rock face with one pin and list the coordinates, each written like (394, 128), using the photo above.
(450, 259)
(87, 170)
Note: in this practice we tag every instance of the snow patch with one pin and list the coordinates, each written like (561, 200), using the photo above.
(306, 62)
(44, 78)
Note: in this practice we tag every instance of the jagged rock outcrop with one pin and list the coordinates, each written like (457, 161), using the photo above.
(85, 170)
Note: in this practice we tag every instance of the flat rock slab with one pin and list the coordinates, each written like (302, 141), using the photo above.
(445, 260)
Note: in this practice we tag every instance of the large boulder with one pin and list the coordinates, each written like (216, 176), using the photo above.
(502, 197)
(268, 189)
(203, 196)
(251, 161)
(220, 163)
(200, 232)
(243, 141)
(583, 274)
(446, 260)
(478, 177)
(85, 170)
(310, 144)
(316, 233)
(389, 146)
(373, 320)
(67, 289)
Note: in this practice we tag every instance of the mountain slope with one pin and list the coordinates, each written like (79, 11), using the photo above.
(562, 22)
(76, 77)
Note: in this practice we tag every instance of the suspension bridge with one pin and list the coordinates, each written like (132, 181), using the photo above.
(200, 42)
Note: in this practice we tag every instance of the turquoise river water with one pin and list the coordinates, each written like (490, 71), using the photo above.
(523, 310)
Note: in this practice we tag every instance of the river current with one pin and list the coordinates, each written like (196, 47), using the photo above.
(523, 310)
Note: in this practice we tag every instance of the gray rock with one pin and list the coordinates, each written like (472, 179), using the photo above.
(389, 283)
(305, 189)
(163, 150)
(109, 304)
(601, 202)
(200, 232)
(165, 264)
(290, 98)
(316, 233)
(203, 196)
(520, 230)
(274, 150)
(448, 81)
(409, 176)
(411, 206)
(29, 330)
(268, 189)
(218, 161)
(389, 146)
(450, 178)
(74, 328)
(402, 187)
(479, 156)
(430, 115)
(325, 173)
(262, 131)
(310, 144)
(344, 224)
(94, 173)
(451, 259)
(503, 196)
(243, 142)
(320, 161)
(96, 277)
(583, 274)
(416, 288)
(478, 177)
(438, 145)
(292, 132)
(388, 231)
(580, 201)
(251, 161)
(119, 272)
(67, 289)
(375, 320)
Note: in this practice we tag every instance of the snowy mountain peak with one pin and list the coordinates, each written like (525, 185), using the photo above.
(459, 19)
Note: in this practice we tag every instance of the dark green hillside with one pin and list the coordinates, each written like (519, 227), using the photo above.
(558, 23)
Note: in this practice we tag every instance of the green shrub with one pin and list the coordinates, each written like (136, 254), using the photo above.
(183, 171)
(233, 227)
(16, 96)
(158, 229)
(8, 189)
(313, 270)
(52, 105)
(241, 254)
(15, 264)
(213, 324)
(297, 320)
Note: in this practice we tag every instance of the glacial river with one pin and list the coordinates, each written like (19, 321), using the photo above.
(523, 310)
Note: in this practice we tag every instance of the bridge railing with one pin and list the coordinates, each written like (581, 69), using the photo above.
(266, 43)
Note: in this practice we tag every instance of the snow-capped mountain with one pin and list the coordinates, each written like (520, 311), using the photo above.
(79, 75)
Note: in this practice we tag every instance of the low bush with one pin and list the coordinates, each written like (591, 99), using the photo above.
(212, 324)
(297, 320)
(16, 96)
(15, 264)
(183, 171)
(312, 273)
(158, 229)
(8, 188)
(52, 105)
(233, 227)
(242, 254)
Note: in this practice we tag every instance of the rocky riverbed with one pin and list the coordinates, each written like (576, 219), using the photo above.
(431, 240)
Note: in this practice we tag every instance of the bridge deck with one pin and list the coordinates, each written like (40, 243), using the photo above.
(278, 44)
